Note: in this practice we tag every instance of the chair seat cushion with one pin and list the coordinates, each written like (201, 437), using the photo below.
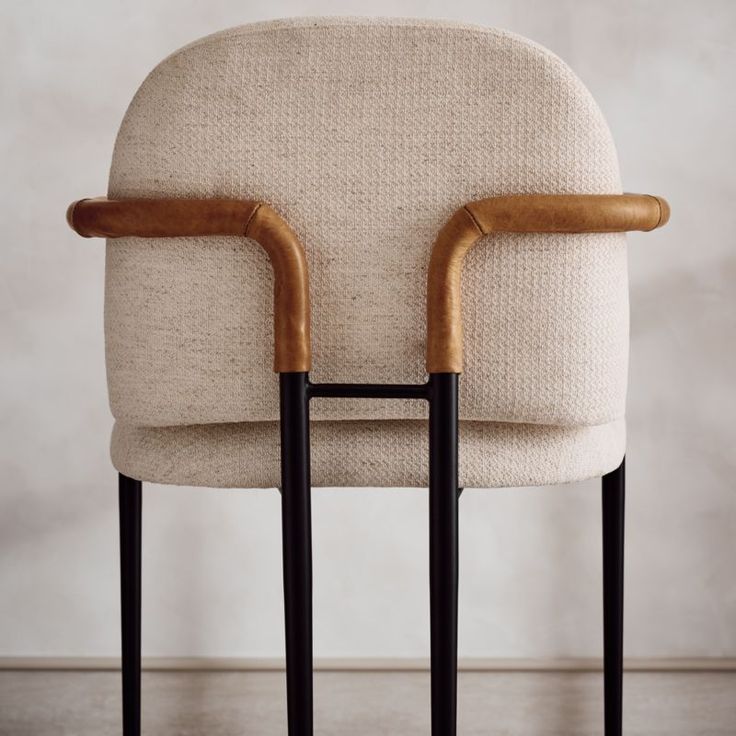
(386, 453)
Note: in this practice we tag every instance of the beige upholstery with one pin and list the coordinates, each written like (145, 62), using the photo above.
(348, 453)
(365, 136)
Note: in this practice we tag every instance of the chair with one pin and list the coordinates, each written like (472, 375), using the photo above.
(386, 167)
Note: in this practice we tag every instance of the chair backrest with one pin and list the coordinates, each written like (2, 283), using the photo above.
(365, 135)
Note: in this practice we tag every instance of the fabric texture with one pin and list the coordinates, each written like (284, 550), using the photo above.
(365, 135)
(383, 453)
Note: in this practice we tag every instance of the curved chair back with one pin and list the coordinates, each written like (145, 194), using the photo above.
(365, 136)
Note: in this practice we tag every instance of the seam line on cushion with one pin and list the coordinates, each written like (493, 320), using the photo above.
(391, 420)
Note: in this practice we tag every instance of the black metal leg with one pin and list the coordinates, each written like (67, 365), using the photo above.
(130, 498)
(443, 549)
(297, 550)
(614, 485)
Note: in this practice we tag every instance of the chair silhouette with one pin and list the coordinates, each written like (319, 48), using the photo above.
(332, 188)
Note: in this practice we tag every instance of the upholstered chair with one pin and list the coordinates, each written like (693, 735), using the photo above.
(371, 208)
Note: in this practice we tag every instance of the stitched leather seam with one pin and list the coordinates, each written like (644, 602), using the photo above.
(475, 222)
(250, 219)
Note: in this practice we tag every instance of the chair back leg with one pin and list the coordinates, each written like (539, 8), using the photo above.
(443, 549)
(130, 500)
(613, 493)
(297, 550)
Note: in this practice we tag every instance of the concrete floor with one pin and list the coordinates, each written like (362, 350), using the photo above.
(370, 703)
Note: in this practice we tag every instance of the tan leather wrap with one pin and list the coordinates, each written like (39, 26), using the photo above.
(159, 218)
(519, 214)
(291, 327)
(164, 218)
(151, 218)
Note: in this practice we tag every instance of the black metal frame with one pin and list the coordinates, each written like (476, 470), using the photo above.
(130, 500)
(441, 391)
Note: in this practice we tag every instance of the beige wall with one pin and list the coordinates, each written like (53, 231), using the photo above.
(663, 72)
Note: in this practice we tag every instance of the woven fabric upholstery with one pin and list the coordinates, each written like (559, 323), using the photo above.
(365, 135)
(383, 453)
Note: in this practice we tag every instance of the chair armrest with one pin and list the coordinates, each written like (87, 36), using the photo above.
(164, 218)
(535, 213)
(170, 218)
